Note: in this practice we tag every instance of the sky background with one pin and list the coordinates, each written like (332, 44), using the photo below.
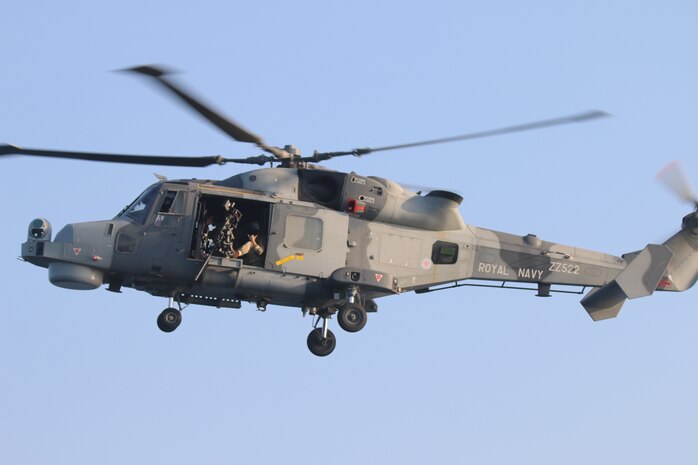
(461, 376)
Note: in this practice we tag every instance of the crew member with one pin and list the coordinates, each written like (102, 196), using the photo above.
(251, 245)
(208, 230)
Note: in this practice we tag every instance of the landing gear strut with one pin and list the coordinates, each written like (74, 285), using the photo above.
(321, 341)
(170, 318)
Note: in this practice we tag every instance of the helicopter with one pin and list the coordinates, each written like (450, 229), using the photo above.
(299, 235)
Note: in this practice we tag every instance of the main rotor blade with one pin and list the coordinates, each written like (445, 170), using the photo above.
(227, 125)
(576, 118)
(198, 162)
(674, 177)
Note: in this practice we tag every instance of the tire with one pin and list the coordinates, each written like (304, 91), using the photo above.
(320, 346)
(169, 320)
(352, 317)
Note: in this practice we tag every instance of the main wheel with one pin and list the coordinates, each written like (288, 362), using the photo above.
(319, 345)
(169, 320)
(352, 317)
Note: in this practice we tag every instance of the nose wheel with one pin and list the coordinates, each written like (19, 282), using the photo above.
(169, 319)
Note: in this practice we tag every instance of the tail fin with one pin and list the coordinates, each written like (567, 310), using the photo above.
(683, 269)
(639, 279)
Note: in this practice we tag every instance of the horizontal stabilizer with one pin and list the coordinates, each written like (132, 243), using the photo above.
(604, 302)
(639, 279)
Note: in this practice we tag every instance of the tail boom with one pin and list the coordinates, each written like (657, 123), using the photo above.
(672, 266)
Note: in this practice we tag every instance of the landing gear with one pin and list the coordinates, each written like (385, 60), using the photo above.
(169, 319)
(319, 345)
(321, 341)
(352, 317)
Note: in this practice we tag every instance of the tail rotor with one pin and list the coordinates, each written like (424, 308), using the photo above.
(674, 177)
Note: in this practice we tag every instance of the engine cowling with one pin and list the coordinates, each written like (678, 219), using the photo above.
(690, 222)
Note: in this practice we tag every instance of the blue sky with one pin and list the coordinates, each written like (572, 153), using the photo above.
(467, 375)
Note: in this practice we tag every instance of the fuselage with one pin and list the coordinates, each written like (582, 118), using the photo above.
(324, 234)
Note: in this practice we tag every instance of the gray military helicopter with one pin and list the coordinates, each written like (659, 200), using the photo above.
(327, 242)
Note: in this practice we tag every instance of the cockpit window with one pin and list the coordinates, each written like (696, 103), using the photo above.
(173, 202)
(138, 210)
(171, 209)
(168, 201)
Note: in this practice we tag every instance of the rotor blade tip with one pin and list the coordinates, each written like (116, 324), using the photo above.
(593, 114)
(674, 177)
(155, 71)
(7, 149)
(668, 169)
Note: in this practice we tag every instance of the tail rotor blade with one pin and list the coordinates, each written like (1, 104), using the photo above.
(674, 177)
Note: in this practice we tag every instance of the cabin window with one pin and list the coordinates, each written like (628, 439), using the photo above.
(303, 232)
(164, 220)
(444, 253)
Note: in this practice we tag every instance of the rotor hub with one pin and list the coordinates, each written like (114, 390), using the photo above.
(292, 150)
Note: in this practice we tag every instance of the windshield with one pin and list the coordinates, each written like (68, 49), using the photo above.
(140, 207)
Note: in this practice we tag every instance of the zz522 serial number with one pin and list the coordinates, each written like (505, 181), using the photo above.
(564, 268)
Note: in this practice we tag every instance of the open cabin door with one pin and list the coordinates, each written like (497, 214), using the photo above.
(307, 240)
(223, 224)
